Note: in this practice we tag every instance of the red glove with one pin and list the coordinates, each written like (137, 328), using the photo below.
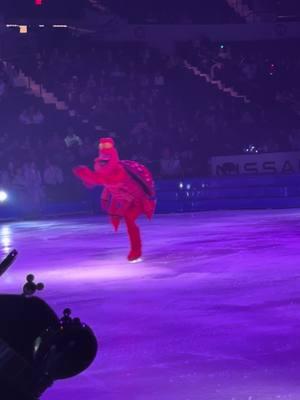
(88, 177)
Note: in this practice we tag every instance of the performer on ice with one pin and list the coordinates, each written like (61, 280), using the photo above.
(128, 191)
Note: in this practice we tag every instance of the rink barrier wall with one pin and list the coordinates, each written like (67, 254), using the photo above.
(183, 195)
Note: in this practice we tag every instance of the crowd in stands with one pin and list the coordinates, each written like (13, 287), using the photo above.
(282, 9)
(127, 91)
(267, 74)
(172, 12)
(159, 112)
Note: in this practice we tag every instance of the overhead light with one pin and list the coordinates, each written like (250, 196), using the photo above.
(3, 196)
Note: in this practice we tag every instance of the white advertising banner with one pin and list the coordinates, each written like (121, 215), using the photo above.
(254, 164)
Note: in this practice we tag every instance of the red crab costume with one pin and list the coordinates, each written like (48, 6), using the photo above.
(128, 191)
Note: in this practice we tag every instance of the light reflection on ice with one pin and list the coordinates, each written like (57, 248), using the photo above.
(5, 234)
(96, 273)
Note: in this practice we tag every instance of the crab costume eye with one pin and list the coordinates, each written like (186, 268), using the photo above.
(103, 146)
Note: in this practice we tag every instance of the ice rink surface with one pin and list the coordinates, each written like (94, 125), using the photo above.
(211, 313)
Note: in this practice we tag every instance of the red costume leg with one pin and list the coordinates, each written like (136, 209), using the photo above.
(135, 240)
(134, 235)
